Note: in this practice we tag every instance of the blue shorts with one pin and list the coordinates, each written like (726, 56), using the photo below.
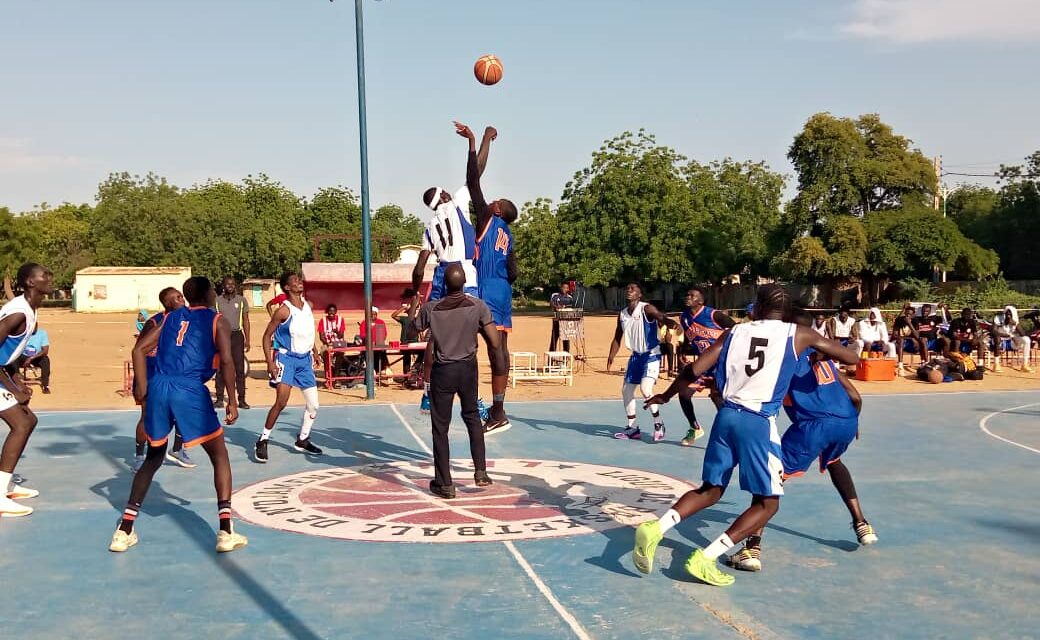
(184, 401)
(642, 365)
(498, 296)
(824, 439)
(742, 437)
(910, 345)
(438, 291)
(297, 369)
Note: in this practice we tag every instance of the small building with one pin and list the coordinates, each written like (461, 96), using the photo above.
(109, 289)
(259, 291)
(409, 254)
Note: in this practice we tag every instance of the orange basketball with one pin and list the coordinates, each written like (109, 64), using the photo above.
(488, 69)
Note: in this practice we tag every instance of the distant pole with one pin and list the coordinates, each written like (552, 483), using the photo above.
(366, 239)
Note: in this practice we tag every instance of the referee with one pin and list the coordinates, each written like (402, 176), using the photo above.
(454, 322)
(233, 306)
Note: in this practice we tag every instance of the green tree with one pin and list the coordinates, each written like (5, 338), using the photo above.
(63, 235)
(18, 245)
(399, 228)
(536, 234)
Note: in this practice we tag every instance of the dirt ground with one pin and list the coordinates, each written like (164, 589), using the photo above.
(88, 352)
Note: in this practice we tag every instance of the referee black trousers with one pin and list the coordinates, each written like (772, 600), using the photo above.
(446, 381)
(238, 355)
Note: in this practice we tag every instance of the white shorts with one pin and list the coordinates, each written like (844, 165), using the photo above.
(7, 400)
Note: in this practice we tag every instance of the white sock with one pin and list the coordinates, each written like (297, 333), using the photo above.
(426, 389)
(310, 411)
(658, 422)
(266, 434)
(669, 520)
(5, 482)
(721, 545)
(631, 421)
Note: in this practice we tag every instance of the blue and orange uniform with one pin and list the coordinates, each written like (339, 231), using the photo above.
(186, 358)
(149, 359)
(700, 329)
(494, 248)
(824, 420)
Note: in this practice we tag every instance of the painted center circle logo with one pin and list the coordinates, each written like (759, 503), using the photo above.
(391, 502)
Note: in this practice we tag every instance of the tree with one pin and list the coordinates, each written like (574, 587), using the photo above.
(63, 235)
(536, 234)
(390, 221)
(18, 245)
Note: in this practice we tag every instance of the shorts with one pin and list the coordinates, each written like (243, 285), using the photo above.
(825, 439)
(642, 366)
(297, 370)
(740, 437)
(438, 290)
(184, 401)
(7, 400)
(910, 345)
(498, 296)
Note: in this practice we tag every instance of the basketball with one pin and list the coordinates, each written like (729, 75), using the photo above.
(488, 69)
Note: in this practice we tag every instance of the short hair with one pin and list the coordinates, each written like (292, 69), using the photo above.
(507, 211)
(408, 293)
(331, 307)
(196, 288)
(698, 288)
(801, 317)
(165, 292)
(283, 281)
(24, 273)
(772, 297)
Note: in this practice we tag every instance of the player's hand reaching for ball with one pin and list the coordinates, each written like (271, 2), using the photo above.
(463, 130)
(656, 399)
(491, 132)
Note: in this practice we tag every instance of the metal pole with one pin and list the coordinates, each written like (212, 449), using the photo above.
(945, 194)
(366, 240)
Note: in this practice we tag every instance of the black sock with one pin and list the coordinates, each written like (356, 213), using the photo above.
(129, 515)
(224, 514)
(139, 449)
(178, 442)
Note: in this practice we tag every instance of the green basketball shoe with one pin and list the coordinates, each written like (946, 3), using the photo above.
(706, 570)
(648, 535)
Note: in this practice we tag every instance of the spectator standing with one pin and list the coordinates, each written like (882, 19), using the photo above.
(401, 316)
(233, 306)
(36, 354)
(379, 334)
(561, 300)
(331, 329)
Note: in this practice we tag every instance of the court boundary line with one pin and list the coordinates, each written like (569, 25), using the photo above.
(985, 419)
(571, 621)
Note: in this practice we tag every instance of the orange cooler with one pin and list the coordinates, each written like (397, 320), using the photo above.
(876, 369)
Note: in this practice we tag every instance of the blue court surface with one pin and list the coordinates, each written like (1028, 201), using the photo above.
(949, 481)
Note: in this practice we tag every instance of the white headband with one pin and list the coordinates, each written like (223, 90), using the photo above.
(436, 198)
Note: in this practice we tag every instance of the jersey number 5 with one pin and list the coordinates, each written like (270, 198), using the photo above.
(180, 334)
(756, 353)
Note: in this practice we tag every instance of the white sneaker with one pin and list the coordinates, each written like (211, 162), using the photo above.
(20, 492)
(227, 542)
(121, 540)
(11, 509)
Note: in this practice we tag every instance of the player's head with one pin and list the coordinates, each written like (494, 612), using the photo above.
(801, 316)
(33, 276)
(454, 277)
(695, 296)
(435, 197)
(171, 299)
(199, 292)
(504, 209)
(926, 310)
(229, 285)
(772, 302)
(291, 282)
(330, 311)
(407, 294)
(633, 292)
(935, 376)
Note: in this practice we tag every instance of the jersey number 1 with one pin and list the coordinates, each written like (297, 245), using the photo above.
(180, 334)
(757, 354)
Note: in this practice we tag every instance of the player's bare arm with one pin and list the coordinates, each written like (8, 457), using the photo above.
(146, 343)
(650, 311)
(806, 338)
(615, 345)
(280, 316)
(690, 373)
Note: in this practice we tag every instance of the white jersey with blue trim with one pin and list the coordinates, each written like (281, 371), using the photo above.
(640, 333)
(13, 346)
(756, 365)
(296, 333)
(450, 236)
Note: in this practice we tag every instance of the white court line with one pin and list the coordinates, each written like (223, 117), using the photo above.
(985, 419)
(543, 588)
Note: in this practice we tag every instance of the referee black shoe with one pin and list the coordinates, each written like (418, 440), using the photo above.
(306, 446)
(447, 492)
(496, 425)
(482, 479)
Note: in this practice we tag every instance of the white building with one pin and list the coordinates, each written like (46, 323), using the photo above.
(101, 289)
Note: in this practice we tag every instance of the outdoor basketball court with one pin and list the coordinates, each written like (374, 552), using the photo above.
(351, 544)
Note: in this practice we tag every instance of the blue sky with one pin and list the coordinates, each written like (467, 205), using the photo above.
(195, 89)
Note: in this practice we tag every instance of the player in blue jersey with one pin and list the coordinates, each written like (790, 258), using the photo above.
(171, 300)
(496, 267)
(189, 345)
(637, 325)
(754, 364)
(824, 410)
(702, 326)
(291, 365)
(17, 323)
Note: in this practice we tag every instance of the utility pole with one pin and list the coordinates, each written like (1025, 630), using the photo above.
(937, 166)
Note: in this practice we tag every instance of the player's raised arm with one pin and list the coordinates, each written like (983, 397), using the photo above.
(806, 338)
(473, 171)
(490, 133)
(650, 311)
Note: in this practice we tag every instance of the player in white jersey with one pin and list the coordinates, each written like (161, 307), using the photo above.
(637, 325)
(291, 365)
(17, 323)
(754, 365)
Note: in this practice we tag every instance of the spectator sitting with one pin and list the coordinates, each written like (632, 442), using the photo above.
(1006, 328)
(906, 336)
(331, 329)
(819, 323)
(873, 334)
(379, 333)
(36, 355)
(928, 327)
(844, 328)
(964, 334)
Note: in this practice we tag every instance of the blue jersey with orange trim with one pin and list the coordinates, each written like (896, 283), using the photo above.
(493, 248)
(815, 392)
(701, 330)
(188, 344)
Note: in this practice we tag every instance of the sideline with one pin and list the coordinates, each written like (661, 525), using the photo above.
(985, 419)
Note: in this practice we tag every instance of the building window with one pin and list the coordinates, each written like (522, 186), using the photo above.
(100, 292)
